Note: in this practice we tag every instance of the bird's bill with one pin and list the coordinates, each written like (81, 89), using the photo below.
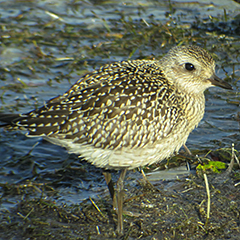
(216, 81)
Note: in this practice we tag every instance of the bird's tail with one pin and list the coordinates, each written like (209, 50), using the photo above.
(9, 120)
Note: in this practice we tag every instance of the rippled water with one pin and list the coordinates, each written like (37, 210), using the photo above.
(219, 128)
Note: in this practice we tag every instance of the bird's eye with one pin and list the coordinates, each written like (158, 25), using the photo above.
(189, 66)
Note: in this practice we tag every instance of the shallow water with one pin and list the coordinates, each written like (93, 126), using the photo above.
(39, 67)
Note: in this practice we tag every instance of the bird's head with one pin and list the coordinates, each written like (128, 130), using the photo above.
(191, 68)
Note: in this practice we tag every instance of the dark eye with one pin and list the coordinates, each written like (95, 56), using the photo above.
(189, 66)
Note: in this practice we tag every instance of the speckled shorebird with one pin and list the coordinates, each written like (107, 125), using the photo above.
(127, 114)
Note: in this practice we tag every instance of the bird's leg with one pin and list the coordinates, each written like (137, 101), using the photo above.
(187, 150)
(120, 193)
(108, 179)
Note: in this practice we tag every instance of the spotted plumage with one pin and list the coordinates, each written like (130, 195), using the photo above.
(127, 114)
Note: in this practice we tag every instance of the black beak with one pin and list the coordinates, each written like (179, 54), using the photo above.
(216, 81)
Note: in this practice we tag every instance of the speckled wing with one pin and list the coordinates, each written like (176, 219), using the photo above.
(126, 104)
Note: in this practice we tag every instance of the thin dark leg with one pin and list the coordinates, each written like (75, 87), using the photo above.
(108, 179)
(120, 193)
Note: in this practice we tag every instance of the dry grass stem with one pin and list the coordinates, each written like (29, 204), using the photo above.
(208, 196)
(95, 205)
